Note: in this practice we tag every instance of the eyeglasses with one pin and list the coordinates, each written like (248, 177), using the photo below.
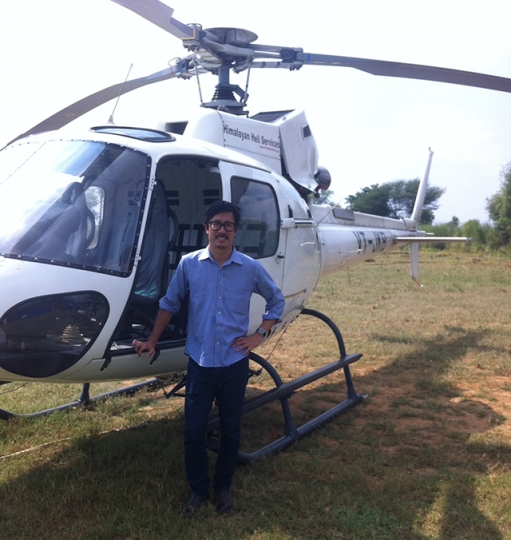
(229, 226)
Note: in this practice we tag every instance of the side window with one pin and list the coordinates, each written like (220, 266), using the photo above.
(95, 199)
(258, 235)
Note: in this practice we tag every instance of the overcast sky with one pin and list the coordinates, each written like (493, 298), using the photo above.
(368, 129)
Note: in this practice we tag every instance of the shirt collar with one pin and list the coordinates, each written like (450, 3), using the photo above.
(234, 258)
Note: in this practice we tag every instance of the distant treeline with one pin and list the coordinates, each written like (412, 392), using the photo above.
(485, 236)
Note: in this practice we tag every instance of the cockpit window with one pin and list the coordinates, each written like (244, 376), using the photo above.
(74, 203)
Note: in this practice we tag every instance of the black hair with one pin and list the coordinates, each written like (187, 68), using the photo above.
(219, 207)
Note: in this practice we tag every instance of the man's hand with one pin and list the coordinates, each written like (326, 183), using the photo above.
(141, 346)
(162, 320)
(247, 343)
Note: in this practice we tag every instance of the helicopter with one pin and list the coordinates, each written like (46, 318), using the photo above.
(103, 216)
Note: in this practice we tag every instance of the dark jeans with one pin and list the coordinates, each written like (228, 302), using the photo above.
(203, 385)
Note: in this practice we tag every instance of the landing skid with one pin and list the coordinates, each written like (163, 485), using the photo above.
(85, 399)
(282, 392)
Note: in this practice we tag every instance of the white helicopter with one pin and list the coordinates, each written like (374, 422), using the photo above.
(100, 219)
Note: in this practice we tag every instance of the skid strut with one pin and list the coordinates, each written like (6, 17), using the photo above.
(283, 391)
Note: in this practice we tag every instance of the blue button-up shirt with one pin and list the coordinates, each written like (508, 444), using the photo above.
(219, 303)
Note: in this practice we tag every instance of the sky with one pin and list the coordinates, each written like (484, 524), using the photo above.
(368, 129)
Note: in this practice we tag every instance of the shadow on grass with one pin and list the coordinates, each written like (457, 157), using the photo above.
(401, 466)
(427, 433)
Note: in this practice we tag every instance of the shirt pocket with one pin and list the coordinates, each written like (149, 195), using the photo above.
(237, 298)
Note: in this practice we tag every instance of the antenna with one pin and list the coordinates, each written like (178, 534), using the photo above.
(111, 119)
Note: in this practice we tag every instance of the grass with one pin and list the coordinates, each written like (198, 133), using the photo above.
(427, 456)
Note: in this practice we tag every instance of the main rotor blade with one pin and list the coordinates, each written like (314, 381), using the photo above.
(159, 14)
(79, 108)
(290, 58)
(409, 71)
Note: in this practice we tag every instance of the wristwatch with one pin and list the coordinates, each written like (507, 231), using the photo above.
(261, 332)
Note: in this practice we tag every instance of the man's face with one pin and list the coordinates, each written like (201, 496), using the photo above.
(221, 239)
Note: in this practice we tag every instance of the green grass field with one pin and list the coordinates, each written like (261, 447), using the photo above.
(427, 456)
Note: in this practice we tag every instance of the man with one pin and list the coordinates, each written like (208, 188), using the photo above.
(220, 282)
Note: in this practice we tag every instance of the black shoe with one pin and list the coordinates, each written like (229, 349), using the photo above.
(223, 501)
(194, 504)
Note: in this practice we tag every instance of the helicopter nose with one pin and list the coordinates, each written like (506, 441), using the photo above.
(44, 336)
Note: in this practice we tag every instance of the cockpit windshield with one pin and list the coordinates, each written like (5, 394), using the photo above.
(72, 203)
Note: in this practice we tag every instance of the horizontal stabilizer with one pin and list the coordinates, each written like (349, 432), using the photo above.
(430, 239)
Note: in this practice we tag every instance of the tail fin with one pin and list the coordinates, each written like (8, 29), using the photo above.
(421, 192)
(416, 216)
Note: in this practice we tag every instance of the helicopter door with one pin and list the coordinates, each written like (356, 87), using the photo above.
(259, 232)
(299, 250)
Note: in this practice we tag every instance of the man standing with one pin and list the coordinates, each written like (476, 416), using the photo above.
(220, 282)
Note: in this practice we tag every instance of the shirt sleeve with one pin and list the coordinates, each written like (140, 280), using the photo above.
(267, 288)
(177, 289)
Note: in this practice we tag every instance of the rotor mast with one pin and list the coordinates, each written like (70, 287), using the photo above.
(218, 51)
(224, 98)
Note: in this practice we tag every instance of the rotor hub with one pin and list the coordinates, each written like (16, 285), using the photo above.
(233, 36)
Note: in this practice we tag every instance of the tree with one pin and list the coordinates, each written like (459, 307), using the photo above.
(395, 199)
(499, 206)
(371, 200)
(479, 232)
